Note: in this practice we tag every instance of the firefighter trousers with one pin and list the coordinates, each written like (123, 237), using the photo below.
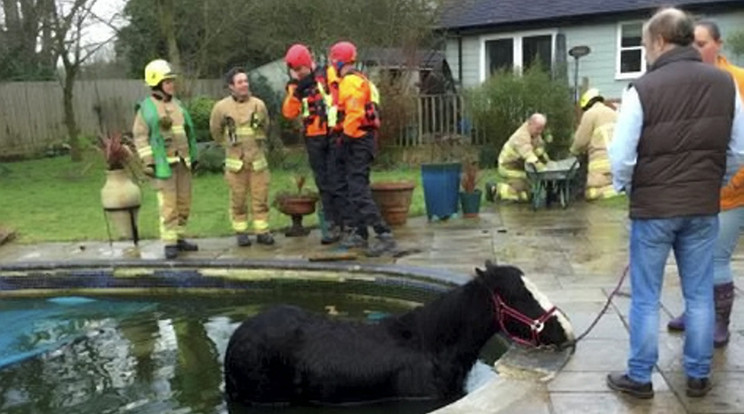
(323, 154)
(241, 184)
(357, 156)
(174, 202)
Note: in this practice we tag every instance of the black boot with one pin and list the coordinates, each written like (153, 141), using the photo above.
(266, 239)
(185, 246)
(243, 240)
(171, 252)
(333, 236)
(385, 244)
(697, 387)
(620, 382)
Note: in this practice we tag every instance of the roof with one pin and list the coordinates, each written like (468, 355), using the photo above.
(458, 14)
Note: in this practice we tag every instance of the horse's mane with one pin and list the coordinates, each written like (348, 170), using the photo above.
(462, 317)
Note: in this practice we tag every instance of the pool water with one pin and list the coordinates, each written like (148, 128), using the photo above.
(154, 353)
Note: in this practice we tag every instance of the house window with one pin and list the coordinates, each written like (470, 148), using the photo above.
(519, 51)
(631, 57)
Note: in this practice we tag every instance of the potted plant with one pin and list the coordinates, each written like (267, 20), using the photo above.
(393, 198)
(296, 205)
(441, 178)
(470, 196)
(120, 196)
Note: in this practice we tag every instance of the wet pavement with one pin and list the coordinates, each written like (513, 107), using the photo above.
(575, 256)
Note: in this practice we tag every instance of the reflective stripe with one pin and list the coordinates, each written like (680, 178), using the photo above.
(374, 93)
(178, 129)
(233, 164)
(173, 160)
(508, 153)
(145, 151)
(506, 192)
(180, 231)
(305, 108)
(512, 173)
(166, 235)
(595, 193)
(240, 226)
(260, 225)
(599, 165)
(539, 151)
(260, 164)
(245, 130)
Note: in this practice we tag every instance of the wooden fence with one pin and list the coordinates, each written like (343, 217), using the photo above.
(433, 117)
(32, 116)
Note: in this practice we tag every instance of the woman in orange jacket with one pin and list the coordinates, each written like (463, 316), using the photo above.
(731, 218)
(357, 100)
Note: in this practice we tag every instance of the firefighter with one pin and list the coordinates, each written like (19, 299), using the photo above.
(593, 137)
(239, 123)
(311, 95)
(358, 101)
(525, 146)
(166, 144)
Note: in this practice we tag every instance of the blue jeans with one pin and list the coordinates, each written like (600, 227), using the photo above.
(731, 223)
(692, 239)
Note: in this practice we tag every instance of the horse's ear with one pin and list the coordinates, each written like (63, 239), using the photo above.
(490, 263)
(479, 272)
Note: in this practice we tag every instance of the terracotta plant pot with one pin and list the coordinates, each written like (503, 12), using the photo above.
(393, 199)
(121, 199)
(297, 206)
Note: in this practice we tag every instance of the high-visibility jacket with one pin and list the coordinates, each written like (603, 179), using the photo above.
(240, 126)
(594, 135)
(316, 105)
(164, 134)
(519, 149)
(358, 100)
(732, 195)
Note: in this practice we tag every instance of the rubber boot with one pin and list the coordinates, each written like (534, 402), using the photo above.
(677, 324)
(243, 240)
(333, 235)
(171, 252)
(724, 297)
(266, 239)
(185, 246)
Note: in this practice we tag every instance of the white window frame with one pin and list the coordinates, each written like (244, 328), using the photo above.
(517, 47)
(620, 49)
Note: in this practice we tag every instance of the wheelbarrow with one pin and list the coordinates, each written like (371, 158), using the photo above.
(555, 182)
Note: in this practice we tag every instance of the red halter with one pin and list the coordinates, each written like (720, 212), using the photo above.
(535, 325)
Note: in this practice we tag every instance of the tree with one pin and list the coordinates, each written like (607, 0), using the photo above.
(25, 40)
(735, 43)
(69, 18)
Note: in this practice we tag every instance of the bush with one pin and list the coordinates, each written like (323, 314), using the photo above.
(200, 108)
(211, 159)
(501, 104)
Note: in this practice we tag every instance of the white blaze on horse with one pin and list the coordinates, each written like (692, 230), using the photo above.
(287, 355)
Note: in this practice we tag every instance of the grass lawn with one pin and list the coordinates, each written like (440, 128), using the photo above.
(54, 199)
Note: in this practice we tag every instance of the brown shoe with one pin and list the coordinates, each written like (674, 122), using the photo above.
(620, 382)
(698, 387)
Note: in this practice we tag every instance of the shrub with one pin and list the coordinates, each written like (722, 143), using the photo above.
(200, 108)
(501, 104)
(211, 159)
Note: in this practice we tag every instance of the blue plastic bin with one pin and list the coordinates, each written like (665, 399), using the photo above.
(441, 184)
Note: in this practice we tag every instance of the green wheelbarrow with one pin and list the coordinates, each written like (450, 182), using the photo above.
(555, 182)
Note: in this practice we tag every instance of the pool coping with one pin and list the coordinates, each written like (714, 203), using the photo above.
(516, 382)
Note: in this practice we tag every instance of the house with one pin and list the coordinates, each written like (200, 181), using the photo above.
(487, 35)
(427, 70)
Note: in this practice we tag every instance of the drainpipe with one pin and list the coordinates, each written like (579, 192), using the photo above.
(459, 60)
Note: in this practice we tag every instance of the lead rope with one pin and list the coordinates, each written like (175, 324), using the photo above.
(601, 313)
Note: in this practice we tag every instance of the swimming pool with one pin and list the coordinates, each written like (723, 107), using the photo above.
(163, 352)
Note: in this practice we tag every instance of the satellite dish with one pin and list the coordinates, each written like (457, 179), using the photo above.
(579, 51)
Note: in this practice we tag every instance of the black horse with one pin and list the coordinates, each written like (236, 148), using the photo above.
(287, 355)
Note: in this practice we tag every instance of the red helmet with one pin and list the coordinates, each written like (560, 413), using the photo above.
(298, 55)
(343, 52)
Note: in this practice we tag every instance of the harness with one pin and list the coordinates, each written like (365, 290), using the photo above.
(320, 101)
(535, 326)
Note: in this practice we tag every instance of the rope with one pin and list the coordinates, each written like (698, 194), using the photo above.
(602, 312)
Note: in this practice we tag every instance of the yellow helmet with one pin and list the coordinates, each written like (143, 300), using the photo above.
(157, 71)
(588, 96)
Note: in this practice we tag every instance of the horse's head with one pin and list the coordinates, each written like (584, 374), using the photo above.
(522, 311)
